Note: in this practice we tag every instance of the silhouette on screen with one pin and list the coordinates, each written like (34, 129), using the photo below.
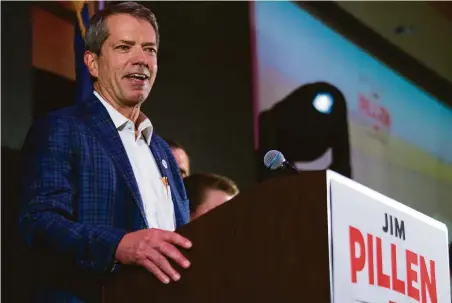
(309, 126)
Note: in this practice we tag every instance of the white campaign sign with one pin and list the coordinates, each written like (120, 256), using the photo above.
(382, 251)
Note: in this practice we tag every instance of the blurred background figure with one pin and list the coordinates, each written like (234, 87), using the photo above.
(182, 158)
(207, 191)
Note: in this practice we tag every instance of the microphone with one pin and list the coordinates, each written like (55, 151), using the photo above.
(274, 160)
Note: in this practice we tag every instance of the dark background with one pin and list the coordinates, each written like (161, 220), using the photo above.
(202, 96)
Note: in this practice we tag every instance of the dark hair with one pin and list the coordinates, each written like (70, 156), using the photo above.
(174, 144)
(197, 185)
(97, 31)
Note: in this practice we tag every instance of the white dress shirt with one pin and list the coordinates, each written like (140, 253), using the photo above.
(157, 202)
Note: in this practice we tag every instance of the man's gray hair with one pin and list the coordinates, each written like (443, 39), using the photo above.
(97, 31)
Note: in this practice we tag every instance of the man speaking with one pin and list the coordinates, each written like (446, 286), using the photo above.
(99, 187)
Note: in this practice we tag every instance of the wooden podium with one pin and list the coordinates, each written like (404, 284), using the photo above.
(268, 244)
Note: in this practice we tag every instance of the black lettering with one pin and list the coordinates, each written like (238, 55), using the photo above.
(386, 225)
(400, 229)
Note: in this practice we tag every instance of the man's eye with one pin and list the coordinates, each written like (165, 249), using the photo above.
(150, 49)
(123, 47)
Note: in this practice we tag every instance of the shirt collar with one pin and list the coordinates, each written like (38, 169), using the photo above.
(145, 127)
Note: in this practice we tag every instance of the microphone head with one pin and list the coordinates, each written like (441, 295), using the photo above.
(274, 159)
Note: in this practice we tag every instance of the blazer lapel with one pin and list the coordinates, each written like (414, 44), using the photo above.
(106, 132)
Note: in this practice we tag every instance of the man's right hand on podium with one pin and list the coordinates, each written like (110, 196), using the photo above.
(150, 248)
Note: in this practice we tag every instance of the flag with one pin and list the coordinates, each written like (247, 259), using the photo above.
(84, 86)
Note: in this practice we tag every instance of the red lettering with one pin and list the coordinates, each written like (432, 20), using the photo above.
(418, 270)
(428, 283)
(374, 111)
(382, 278)
(363, 103)
(411, 275)
(370, 258)
(385, 117)
(397, 284)
(357, 262)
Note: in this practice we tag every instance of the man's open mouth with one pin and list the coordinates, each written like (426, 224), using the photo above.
(137, 76)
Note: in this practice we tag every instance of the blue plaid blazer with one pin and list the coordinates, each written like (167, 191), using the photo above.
(79, 197)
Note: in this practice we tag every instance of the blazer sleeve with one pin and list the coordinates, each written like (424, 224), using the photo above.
(48, 218)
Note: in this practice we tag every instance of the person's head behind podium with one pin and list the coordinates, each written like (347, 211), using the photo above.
(207, 191)
(181, 155)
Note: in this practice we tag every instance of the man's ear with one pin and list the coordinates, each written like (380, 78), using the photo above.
(90, 59)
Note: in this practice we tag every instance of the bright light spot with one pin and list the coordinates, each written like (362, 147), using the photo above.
(323, 103)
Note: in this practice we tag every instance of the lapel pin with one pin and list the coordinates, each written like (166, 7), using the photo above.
(164, 164)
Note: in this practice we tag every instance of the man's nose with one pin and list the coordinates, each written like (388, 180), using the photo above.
(140, 57)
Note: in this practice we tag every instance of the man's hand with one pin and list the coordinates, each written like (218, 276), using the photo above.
(150, 248)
